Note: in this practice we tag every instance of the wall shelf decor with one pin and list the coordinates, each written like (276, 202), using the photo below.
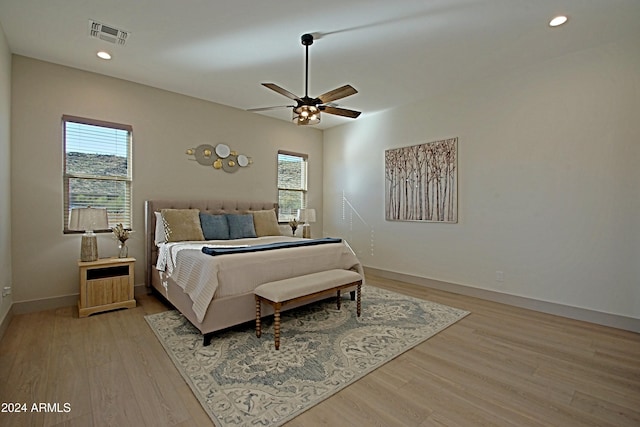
(421, 182)
(219, 157)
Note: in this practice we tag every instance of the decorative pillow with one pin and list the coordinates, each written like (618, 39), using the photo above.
(266, 223)
(214, 227)
(160, 236)
(241, 226)
(182, 224)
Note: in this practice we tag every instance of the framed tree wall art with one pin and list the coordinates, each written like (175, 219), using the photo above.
(421, 182)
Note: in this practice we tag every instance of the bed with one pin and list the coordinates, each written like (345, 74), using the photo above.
(216, 292)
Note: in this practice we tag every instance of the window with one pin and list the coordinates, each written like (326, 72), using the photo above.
(292, 184)
(97, 168)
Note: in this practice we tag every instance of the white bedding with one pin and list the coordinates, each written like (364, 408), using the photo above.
(204, 277)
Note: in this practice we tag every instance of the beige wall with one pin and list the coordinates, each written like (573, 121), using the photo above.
(5, 171)
(548, 171)
(549, 183)
(164, 124)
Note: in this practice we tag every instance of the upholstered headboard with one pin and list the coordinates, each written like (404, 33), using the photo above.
(213, 206)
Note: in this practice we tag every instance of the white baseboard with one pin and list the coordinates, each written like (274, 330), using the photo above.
(4, 323)
(597, 317)
(592, 316)
(32, 306)
(22, 307)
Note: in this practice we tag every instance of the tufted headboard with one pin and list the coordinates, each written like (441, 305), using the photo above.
(213, 206)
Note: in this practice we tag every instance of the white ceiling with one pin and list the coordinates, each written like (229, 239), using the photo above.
(392, 52)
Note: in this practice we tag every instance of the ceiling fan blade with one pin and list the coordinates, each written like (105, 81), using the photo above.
(340, 111)
(341, 92)
(281, 91)
(270, 108)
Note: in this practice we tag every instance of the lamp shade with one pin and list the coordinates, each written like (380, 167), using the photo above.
(307, 215)
(88, 219)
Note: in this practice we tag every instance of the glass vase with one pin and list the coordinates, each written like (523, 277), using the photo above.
(123, 250)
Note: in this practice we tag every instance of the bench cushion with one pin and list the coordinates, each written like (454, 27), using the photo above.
(295, 287)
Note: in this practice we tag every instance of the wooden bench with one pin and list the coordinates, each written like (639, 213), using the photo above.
(300, 288)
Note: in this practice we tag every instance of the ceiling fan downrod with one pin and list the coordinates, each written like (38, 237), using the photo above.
(307, 40)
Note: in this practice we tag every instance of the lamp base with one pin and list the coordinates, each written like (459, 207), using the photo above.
(306, 231)
(89, 248)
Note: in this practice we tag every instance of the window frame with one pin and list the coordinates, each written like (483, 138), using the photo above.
(305, 188)
(66, 176)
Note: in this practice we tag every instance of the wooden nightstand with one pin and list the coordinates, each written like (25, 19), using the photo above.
(106, 284)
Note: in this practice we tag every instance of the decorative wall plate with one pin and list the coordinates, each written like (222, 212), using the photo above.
(243, 161)
(204, 154)
(230, 164)
(222, 150)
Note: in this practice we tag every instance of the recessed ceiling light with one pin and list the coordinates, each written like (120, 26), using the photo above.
(104, 55)
(558, 20)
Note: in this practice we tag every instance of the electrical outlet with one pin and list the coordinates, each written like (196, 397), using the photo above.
(499, 276)
(6, 291)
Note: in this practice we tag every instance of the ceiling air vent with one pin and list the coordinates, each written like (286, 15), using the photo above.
(107, 33)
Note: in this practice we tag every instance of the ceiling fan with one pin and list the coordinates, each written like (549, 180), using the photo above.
(307, 110)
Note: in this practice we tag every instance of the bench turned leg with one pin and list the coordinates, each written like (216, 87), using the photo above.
(258, 325)
(358, 298)
(338, 301)
(276, 325)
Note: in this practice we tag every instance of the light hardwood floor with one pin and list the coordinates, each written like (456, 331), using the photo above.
(500, 365)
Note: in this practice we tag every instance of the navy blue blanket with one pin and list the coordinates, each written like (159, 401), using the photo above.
(269, 246)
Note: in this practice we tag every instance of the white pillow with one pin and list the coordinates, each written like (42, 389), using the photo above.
(161, 236)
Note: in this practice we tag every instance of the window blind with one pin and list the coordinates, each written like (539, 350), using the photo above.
(292, 184)
(97, 168)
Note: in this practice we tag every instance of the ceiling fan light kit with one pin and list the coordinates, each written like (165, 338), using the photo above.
(307, 110)
(306, 115)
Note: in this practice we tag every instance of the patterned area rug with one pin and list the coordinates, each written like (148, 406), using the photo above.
(242, 380)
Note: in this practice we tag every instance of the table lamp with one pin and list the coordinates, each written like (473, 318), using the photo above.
(88, 219)
(306, 216)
